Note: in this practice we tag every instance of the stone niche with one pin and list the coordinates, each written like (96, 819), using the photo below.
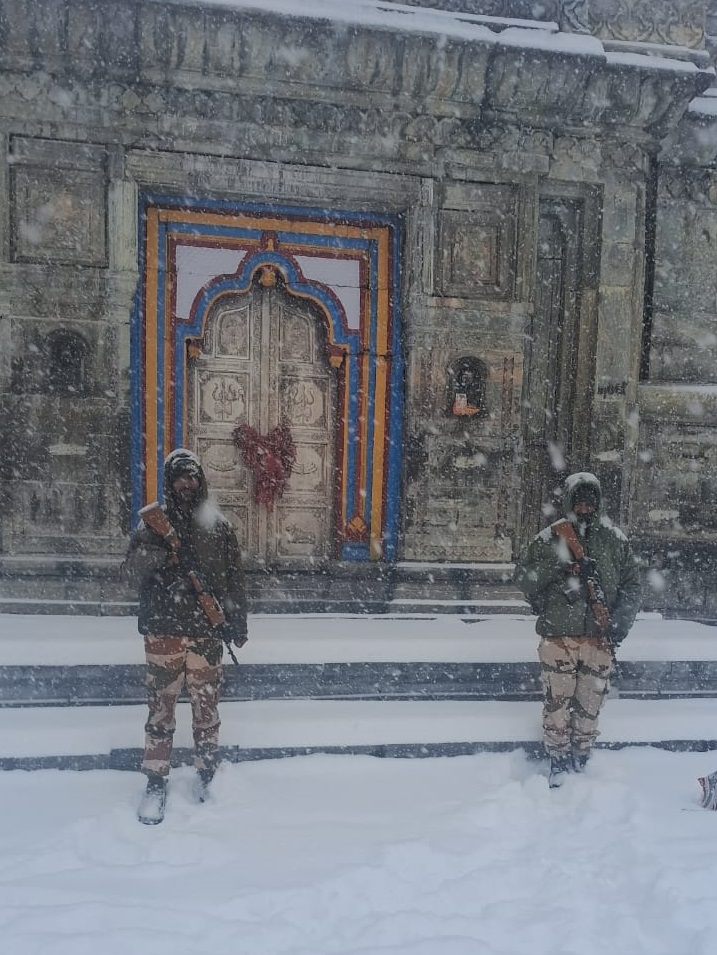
(58, 202)
(460, 465)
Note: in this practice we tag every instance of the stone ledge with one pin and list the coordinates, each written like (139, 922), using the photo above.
(128, 760)
(107, 685)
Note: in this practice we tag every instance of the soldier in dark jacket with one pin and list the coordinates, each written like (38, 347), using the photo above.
(180, 644)
(585, 609)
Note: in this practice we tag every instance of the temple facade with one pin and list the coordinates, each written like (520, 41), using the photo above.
(440, 254)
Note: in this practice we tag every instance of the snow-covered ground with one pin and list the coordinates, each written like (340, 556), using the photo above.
(351, 854)
(329, 854)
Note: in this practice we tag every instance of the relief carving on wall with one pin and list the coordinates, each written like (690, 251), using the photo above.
(582, 152)
(649, 21)
(50, 508)
(58, 214)
(58, 195)
(476, 255)
(514, 141)
(574, 16)
(628, 158)
(699, 186)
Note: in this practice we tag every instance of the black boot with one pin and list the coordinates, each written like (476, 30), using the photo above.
(151, 809)
(580, 761)
(202, 782)
(559, 768)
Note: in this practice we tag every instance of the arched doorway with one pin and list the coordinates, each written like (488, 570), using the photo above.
(262, 361)
(337, 278)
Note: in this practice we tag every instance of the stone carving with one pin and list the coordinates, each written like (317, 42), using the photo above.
(50, 508)
(650, 21)
(514, 141)
(700, 186)
(58, 214)
(627, 158)
(582, 152)
(574, 16)
(476, 254)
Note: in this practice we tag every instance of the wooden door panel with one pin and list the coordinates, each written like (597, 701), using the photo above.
(263, 361)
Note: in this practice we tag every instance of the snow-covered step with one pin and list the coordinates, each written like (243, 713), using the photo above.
(102, 737)
(54, 660)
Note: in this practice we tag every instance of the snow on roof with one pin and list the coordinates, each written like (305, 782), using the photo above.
(399, 17)
(402, 18)
(379, 13)
(647, 61)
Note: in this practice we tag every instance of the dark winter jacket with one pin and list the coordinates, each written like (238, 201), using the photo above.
(555, 593)
(167, 599)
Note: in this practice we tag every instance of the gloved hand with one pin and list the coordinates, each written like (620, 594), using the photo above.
(588, 568)
(613, 635)
(230, 634)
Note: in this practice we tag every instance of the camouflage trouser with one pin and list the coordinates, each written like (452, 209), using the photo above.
(575, 674)
(172, 662)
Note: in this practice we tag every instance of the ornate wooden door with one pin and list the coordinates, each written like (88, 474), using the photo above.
(263, 361)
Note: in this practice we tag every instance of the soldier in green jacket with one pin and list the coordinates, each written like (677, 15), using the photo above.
(182, 647)
(581, 579)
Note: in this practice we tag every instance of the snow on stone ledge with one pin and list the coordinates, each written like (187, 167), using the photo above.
(401, 18)
(705, 105)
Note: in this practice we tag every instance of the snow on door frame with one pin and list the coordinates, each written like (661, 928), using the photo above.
(192, 252)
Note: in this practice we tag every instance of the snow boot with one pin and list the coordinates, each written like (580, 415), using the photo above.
(709, 790)
(202, 782)
(151, 809)
(580, 762)
(559, 768)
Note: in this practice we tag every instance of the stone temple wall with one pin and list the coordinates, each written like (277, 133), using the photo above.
(557, 237)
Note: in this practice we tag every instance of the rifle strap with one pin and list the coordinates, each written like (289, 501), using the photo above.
(565, 530)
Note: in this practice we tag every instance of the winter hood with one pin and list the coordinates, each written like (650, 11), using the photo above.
(183, 461)
(579, 482)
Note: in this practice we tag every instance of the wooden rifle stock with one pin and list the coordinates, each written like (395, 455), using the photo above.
(211, 607)
(565, 530)
(154, 517)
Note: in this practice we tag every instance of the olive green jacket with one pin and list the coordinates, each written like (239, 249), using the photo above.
(556, 595)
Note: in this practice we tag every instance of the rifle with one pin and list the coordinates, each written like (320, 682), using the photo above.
(154, 517)
(588, 574)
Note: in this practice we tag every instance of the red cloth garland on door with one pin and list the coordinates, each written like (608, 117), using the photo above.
(270, 457)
